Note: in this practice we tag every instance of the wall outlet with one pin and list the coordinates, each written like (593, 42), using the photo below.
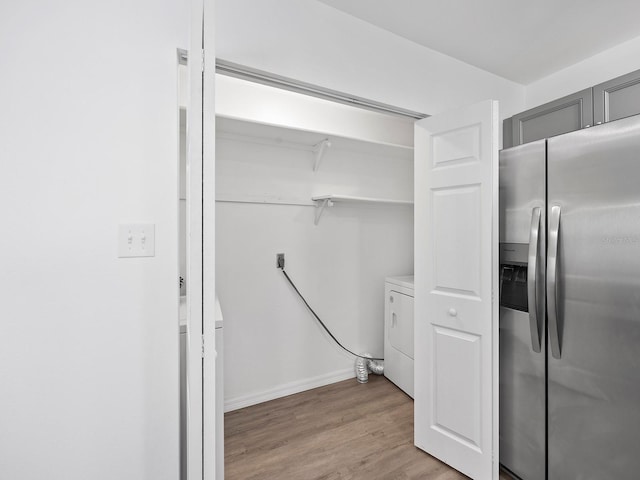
(280, 260)
(136, 240)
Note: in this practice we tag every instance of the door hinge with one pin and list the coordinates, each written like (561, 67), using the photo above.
(202, 61)
(202, 337)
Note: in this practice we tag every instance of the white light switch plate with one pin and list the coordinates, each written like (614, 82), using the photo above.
(136, 240)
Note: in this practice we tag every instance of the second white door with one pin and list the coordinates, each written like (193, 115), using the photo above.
(456, 317)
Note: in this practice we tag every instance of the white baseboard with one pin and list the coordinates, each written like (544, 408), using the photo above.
(287, 389)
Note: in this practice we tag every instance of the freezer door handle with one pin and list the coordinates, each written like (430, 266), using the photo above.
(552, 274)
(532, 280)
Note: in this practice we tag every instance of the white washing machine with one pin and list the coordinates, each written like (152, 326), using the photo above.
(398, 331)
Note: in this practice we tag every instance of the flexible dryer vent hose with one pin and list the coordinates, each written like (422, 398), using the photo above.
(364, 365)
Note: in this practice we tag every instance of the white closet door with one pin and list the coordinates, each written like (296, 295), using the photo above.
(456, 316)
(204, 460)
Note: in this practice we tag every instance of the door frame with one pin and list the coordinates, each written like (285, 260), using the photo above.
(212, 470)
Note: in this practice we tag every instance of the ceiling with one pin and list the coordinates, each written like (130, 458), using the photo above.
(522, 40)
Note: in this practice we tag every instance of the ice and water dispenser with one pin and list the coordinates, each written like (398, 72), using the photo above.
(513, 276)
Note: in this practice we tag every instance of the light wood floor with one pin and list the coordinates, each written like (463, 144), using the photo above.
(344, 431)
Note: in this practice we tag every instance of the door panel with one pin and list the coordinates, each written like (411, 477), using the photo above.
(522, 398)
(456, 356)
(594, 387)
(522, 369)
(456, 247)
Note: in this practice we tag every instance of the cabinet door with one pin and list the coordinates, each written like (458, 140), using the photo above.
(617, 98)
(566, 114)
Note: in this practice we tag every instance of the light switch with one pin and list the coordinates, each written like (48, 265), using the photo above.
(136, 240)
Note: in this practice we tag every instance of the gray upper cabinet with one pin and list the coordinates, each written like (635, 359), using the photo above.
(507, 133)
(617, 98)
(609, 101)
(566, 114)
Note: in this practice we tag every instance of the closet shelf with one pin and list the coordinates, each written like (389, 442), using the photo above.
(323, 201)
(318, 144)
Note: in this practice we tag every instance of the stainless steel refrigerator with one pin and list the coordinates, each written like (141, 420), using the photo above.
(570, 305)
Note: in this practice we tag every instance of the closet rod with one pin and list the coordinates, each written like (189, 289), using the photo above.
(259, 76)
(269, 202)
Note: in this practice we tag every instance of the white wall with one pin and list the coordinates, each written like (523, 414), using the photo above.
(272, 344)
(312, 42)
(89, 139)
(599, 68)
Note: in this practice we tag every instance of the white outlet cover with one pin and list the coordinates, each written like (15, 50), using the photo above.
(136, 240)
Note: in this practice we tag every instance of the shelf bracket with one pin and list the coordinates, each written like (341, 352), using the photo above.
(326, 202)
(318, 152)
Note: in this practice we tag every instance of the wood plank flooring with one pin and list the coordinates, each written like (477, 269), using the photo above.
(346, 431)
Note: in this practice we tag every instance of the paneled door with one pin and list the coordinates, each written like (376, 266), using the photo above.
(456, 288)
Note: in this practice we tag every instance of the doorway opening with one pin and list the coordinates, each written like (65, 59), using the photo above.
(330, 185)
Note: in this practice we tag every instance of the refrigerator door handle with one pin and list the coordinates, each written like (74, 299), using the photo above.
(552, 273)
(532, 280)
